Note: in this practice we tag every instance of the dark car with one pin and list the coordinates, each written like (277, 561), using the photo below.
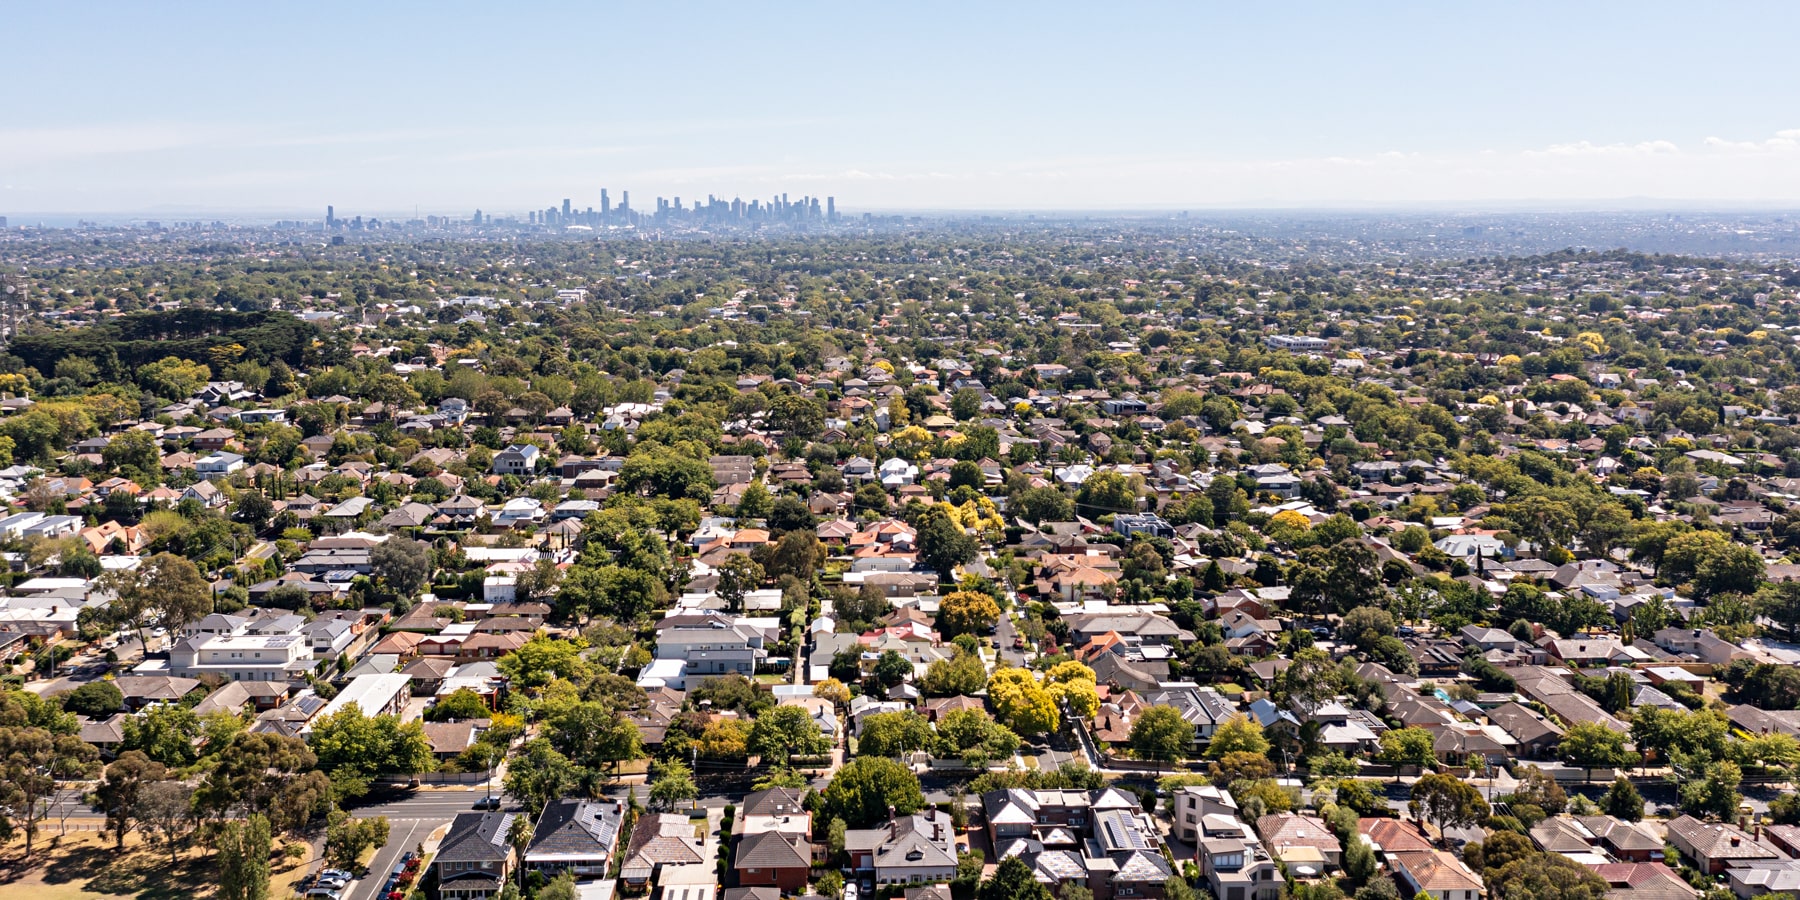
(488, 803)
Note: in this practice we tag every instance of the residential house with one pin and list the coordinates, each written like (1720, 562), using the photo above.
(776, 859)
(659, 840)
(1434, 874)
(518, 459)
(915, 849)
(1714, 846)
(576, 836)
(475, 857)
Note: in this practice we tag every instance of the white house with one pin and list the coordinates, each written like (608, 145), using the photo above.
(375, 695)
(219, 463)
(518, 459)
(242, 657)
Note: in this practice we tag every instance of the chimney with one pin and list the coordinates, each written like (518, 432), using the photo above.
(890, 812)
(930, 813)
(1734, 840)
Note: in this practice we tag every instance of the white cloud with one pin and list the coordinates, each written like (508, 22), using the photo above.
(1587, 148)
(1784, 141)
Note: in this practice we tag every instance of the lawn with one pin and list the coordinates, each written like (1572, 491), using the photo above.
(84, 866)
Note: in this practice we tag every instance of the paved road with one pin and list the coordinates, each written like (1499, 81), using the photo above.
(403, 835)
(432, 805)
(1004, 635)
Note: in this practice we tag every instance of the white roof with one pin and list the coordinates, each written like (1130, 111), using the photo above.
(371, 693)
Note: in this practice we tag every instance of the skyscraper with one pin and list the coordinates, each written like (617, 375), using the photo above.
(831, 209)
(605, 204)
(330, 218)
(565, 209)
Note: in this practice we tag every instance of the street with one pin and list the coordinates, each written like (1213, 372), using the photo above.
(403, 835)
(1004, 637)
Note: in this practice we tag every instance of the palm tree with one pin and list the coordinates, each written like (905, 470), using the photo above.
(519, 835)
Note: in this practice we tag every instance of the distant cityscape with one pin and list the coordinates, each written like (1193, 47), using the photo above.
(715, 211)
(1268, 236)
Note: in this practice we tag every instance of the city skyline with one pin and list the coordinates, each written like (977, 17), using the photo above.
(936, 108)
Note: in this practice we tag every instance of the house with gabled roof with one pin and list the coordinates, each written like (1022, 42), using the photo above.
(577, 836)
(774, 859)
(659, 840)
(1714, 846)
(475, 857)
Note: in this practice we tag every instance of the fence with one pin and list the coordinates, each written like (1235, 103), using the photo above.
(433, 778)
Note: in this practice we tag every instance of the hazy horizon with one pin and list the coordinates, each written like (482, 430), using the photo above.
(1052, 107)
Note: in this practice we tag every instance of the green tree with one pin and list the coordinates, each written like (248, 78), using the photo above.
(243, 849)
(544, 659)
(1545, 876)
(1013, 880)
(165, 591)
(95, 700)
(673, 784)
(518, 834)
(976, 738)
(966, 612)
(1021, 703)
(461, 704)
(134, 454)
(738, 576)
(562, 887)
(539, 774)
(963, 674)
(1448, 801)
(895, 734)
(402, 564)
(785, 731)
(1161, 734)
(1106, 492)
(1622, 801)
(861, 792)
(1042, 504)
(370, 745)
(943, 543)
(1407, 747)
(346, 838)
(1591, 745)
(1714, 792)
(167, 807)
(121, 793)
(165, 733)
(1238, 734)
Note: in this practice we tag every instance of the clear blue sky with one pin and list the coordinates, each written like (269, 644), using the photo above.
(380, 107)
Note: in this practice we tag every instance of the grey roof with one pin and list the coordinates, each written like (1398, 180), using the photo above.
(774, 802)
(773, 850)
(571, 828)
(476, 837)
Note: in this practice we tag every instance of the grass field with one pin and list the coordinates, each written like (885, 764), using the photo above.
(85, 866)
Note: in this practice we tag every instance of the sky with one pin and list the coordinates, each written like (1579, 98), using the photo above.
(445, 107)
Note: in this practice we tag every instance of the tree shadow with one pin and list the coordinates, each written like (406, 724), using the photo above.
(141, 873)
